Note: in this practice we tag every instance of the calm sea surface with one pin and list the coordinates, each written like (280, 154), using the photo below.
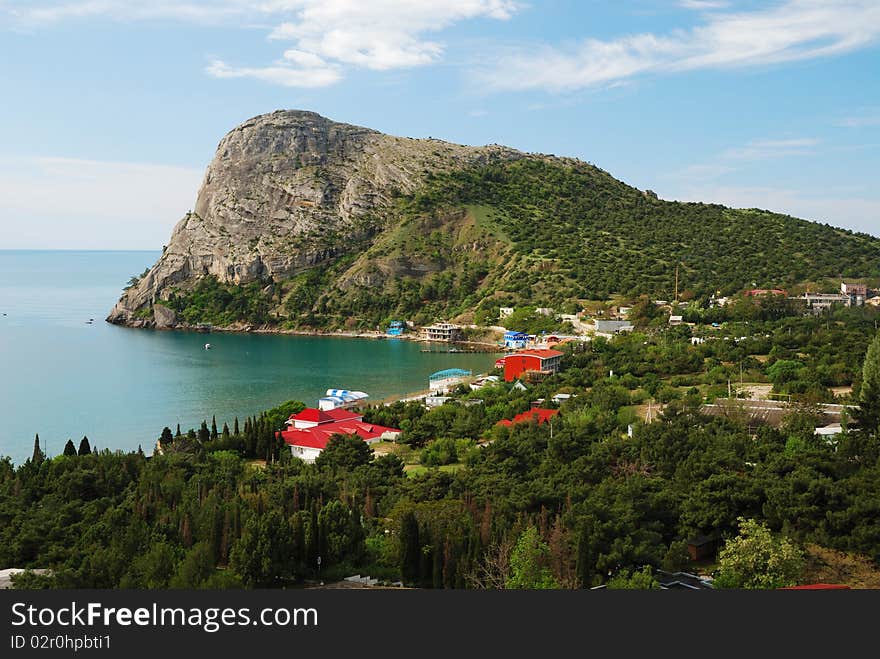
(63, 378)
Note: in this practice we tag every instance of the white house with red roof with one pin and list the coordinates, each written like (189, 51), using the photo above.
(309, 431)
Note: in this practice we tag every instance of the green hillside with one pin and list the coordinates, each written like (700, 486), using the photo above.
(545, 232)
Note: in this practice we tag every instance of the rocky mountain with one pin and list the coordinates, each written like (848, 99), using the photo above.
(304, 222)
(286, 192)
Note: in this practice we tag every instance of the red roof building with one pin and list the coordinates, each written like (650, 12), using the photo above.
(537, 414)
(311, 417)
(542, 360)
(312, 429)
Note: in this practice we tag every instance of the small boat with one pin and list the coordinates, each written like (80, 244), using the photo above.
(207, 346)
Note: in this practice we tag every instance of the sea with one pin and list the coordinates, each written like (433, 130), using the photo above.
(65, 373)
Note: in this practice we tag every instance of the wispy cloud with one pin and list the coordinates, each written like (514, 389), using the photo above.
(762, 149)
(35, 13)
(737, 158)
(795, 30)
(701, 5)
(44, 202)
(861, 120)
(326, 35)
(279, 74)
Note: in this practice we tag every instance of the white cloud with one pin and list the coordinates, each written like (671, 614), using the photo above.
(702, 5)
(860, 120)
(318, 76)
(325, 34)
(735, 159)
(48, 202)
(762, 149)
(853, 212)
(381, 34)
(33, 13)
(795, 30)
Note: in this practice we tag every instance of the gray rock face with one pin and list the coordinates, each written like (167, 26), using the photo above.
(285, 192)
(164, 317)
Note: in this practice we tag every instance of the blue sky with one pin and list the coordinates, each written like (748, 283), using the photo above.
(112, 108)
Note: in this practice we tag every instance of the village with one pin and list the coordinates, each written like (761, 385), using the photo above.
(529, 359)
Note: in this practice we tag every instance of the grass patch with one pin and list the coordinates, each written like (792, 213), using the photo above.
(413, 470)
(486, 218)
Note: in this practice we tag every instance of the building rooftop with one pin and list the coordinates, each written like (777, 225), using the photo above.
(538, 414)
(318, 436)
(449, 373)
(543, 353)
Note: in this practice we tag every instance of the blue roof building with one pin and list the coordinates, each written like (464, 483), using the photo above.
(515, 340)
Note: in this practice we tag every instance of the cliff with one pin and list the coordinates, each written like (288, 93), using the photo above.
(286, 192)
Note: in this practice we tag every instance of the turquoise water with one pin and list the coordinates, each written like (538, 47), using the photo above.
(63, 378)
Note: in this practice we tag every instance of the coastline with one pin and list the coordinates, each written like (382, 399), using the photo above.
(479, 346)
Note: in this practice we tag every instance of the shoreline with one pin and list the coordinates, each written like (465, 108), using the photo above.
(342, 334)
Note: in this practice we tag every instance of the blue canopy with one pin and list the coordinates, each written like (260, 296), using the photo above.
(449, 373)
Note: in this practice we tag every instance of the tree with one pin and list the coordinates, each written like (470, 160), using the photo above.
(69, 448)
(166, 437)
(214, 427)
(867, 414)
(264, 553)
(529, 563)
(410, 547)
(196, 568)
(235, 427)
(84, 447)
(345, 452)
(204, 433)
(757, 559)
(335, 523)
(783, 371)
(156, 567)
(636, 580)
(38, 455)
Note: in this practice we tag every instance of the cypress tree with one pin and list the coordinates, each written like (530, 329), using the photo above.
(204, 433)
(235, 427)
(426, 562)
(585, 564)
(38, 456)
(225, 431)
(69, 448)
(298, 542)
(84, 447)
(214, 427)
(410, 554)
(437, 572)
(177, 434)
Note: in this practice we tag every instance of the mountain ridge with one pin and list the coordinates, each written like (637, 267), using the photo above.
(305, 222)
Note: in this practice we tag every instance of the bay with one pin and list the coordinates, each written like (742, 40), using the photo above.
(64, 378)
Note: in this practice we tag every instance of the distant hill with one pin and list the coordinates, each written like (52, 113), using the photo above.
(305, 222)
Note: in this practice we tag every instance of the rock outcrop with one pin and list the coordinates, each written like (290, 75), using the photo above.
(285, 192)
